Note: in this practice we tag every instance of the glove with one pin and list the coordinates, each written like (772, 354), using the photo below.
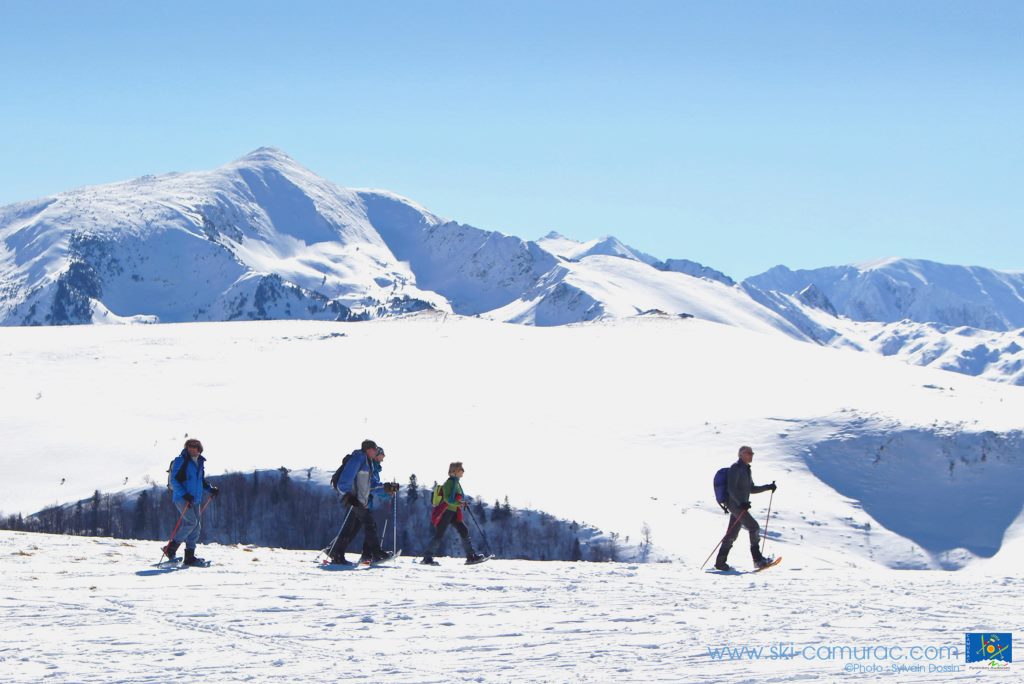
(746, 506)
(352, 500)
(214, 491)
(773, 487)
(725, 509)
(189, 498)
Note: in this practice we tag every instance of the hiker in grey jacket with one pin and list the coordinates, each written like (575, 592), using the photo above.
(359, 483)
(740, 487)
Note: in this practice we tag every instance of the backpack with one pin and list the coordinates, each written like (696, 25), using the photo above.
(438, 496)
(337, 473)
(722, 488)
(179, 476)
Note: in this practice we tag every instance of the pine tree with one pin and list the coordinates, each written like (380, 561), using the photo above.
(412, 490)
(94, 514)
(140, 521)
(577, 553)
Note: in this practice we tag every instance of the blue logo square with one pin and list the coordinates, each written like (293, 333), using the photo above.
(989, 646)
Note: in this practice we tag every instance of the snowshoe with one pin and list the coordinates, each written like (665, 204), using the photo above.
(766, 563)
(427, 560)
(477, 558)
(170, 549)
(193, 561)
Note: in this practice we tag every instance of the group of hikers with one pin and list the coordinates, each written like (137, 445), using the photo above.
(359, 485)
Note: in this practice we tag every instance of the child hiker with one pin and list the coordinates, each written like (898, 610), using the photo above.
(448, 511)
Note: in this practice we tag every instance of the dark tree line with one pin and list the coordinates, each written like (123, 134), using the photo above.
(289, 509)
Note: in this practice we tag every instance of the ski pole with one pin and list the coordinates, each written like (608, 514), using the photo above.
(764, 537)
(330, 547)
(384, 533)
(490, 551)
(174, 531)
(738, 518)
(394, 527)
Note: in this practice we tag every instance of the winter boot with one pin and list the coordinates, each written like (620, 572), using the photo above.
(467, 546)
(339, 559)
(381, 556)
(474, 558)
(170, 549)
(723, 566)
(720, 559)
(192, 560)
(428, 560)
(763, 562)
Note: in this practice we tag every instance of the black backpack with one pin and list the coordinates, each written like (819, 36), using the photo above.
(337, 473)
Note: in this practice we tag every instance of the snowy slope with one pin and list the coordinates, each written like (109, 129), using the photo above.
(892, 290)
(608, 245)
(993, 355)
(603, 286)
(95, 611)
(261, 237)
(476, 270)
(557, 418)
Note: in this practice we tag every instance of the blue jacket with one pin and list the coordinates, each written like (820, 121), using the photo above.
(188, 480)
(361, 478)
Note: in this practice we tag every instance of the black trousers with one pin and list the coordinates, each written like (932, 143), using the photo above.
(358, 518)
(753, 529)
(448, 519)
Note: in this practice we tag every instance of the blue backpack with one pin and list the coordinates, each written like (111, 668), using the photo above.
(722, 488)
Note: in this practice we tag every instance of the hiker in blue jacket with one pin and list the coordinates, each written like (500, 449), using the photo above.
(188, 483)
(740, 487)
(359, 484)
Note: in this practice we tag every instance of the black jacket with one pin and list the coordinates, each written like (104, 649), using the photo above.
(741, 485)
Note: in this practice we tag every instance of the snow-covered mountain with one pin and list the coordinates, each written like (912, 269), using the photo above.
(259, 238)
(892, 290)
(265, 238)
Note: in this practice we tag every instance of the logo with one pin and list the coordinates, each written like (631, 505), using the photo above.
(991, 650)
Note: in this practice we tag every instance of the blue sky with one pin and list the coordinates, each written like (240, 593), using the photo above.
(740, 135)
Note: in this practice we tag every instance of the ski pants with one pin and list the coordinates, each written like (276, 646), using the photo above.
(449, 518)
(191, 525)
(359, 517)
(747, 521)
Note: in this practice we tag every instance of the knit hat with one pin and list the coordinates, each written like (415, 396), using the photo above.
(192, 441)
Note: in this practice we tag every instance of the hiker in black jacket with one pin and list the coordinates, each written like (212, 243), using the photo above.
(741, 486)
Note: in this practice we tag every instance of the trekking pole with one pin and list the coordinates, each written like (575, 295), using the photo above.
(764, 537)
(490, 551)
(330, 547)
(394, 526)
(174, 532)
(738, 518)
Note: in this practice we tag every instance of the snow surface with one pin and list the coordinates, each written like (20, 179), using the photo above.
(94, 610)
(612, 423)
